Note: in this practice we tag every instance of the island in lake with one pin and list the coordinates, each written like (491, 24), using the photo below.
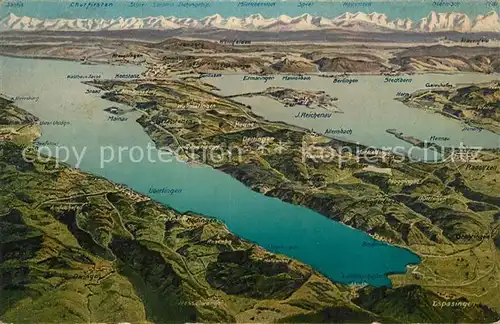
(115, 110)
(294, 97)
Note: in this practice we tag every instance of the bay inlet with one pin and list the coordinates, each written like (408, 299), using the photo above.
(341, 253)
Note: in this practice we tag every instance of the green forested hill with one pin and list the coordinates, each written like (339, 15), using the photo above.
(75, 248)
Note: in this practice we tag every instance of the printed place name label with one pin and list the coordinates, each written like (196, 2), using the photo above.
(117, 118)
(257, 78)
(439, 138)
(296, 78)
(481, 167)
(26, 98)
(398, 80)
(90, 4)
(54, 123)
(340, 131)
(13, 4)
(304, 4)
(313, 115)
(346, 81)
(256, 4)
(127, 76)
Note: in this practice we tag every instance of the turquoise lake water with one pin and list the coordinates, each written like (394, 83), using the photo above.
(337, 251)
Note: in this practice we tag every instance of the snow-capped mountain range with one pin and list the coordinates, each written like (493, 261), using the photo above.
(375, 22)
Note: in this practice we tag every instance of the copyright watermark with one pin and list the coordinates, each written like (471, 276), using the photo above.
(109, 155)
(218, 154)
(342, 155)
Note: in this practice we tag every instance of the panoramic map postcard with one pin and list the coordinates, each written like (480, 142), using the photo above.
(253, 161)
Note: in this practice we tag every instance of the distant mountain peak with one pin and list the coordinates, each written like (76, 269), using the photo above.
(256, 16)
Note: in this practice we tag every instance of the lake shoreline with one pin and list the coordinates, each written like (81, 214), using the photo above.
(223, 197)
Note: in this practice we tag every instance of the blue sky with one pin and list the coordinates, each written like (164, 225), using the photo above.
(394, 9)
